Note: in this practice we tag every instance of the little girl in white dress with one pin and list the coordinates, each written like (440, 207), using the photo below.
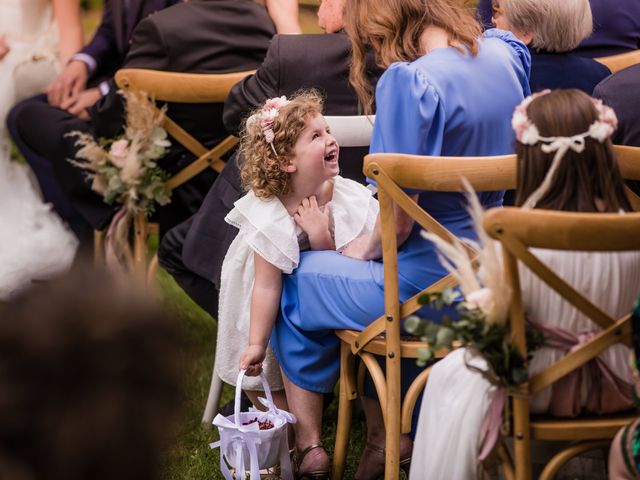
(296, 201)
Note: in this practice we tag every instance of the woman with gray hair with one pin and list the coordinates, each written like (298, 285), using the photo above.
(552, 30)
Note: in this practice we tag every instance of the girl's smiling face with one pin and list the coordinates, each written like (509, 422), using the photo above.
(315, 154)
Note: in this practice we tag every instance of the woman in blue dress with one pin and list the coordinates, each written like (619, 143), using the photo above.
(447, 91)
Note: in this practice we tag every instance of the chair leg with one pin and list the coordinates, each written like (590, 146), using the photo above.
(345, 406)
(213, 401)
(152, 271)
(521, 440)
(392, 424)
(98, 248)
(140, 247)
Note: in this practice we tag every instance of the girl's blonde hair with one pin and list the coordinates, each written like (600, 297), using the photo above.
(394, 29)
(261, 170)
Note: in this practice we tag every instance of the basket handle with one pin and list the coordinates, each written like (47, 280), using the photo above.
(267, 391)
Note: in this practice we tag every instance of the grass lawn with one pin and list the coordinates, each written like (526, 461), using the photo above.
(191, 457)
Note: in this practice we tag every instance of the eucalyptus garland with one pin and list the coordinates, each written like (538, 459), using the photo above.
(471, 330)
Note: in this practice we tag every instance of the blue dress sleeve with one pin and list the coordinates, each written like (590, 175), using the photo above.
(521, 56)
(410, 117)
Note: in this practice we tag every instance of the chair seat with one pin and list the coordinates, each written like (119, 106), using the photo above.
(409, 345)
(579, 428)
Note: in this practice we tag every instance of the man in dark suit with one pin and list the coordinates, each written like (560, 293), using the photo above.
(83, 81)
(207, 36)
(194, 250)
(621, 91)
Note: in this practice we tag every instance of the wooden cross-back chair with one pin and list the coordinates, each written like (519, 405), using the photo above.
(179, 88)
(393, 172)
(620, 61)
(518, 231)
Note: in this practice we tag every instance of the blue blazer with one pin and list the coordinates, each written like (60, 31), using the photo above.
(110, 44)
(565, 70)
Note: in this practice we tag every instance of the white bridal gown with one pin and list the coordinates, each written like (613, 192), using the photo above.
(34, 242)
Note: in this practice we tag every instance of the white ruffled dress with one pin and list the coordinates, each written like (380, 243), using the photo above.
(267, 229)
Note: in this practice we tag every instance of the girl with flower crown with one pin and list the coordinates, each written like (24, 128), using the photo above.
(296, 201)
(565, 163)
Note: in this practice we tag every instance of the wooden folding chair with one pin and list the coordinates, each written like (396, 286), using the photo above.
(393, 172)
(180, 88)
(620, 61)
(518, 231)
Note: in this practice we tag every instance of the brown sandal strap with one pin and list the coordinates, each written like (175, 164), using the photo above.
(381, 450)
(304, 452)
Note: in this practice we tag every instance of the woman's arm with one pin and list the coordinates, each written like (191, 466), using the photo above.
(284, 14)
(265, 302)
(369, 247)
(67, 15)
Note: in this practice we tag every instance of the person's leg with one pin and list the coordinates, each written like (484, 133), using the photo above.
(201, 290)
(307, 408)
(371, 463)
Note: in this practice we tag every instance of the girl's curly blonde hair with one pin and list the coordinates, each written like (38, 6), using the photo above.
(260, 169)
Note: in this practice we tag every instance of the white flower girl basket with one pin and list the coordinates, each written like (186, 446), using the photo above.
(245, 446)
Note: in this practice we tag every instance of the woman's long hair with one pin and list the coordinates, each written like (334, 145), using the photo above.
(582, 177)
(394, 29)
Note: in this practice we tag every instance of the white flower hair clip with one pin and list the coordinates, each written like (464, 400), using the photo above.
(266, 116)
(528, 134)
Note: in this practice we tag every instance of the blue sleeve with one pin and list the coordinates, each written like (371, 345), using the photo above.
(521, 56)
(409, 114)
(103, 44)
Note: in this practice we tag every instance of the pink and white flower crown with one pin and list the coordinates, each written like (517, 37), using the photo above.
(528, 134)
(266, 116)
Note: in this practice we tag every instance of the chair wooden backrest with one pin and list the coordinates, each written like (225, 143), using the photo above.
(620, 61)
(518, 231)
(186, 88)
(393, 172)
(351, 130)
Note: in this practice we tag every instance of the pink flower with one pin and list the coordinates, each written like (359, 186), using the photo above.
(275, 103)
(118, 152)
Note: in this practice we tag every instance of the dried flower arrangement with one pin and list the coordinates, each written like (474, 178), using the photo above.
(124, 169)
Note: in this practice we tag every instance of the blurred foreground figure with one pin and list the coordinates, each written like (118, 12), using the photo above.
(89, 374)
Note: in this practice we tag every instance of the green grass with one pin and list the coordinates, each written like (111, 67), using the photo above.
(191, 458)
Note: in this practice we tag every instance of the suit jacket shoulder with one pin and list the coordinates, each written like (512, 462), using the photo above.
(621, 91)
(296, 62)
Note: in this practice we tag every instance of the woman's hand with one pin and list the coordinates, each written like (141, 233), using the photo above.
(251, 360)
(314, 220)
(4, 46)
(360, 248)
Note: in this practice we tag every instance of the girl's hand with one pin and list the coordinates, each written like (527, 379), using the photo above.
(251, 360)
(314, 220)
(4, 46)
